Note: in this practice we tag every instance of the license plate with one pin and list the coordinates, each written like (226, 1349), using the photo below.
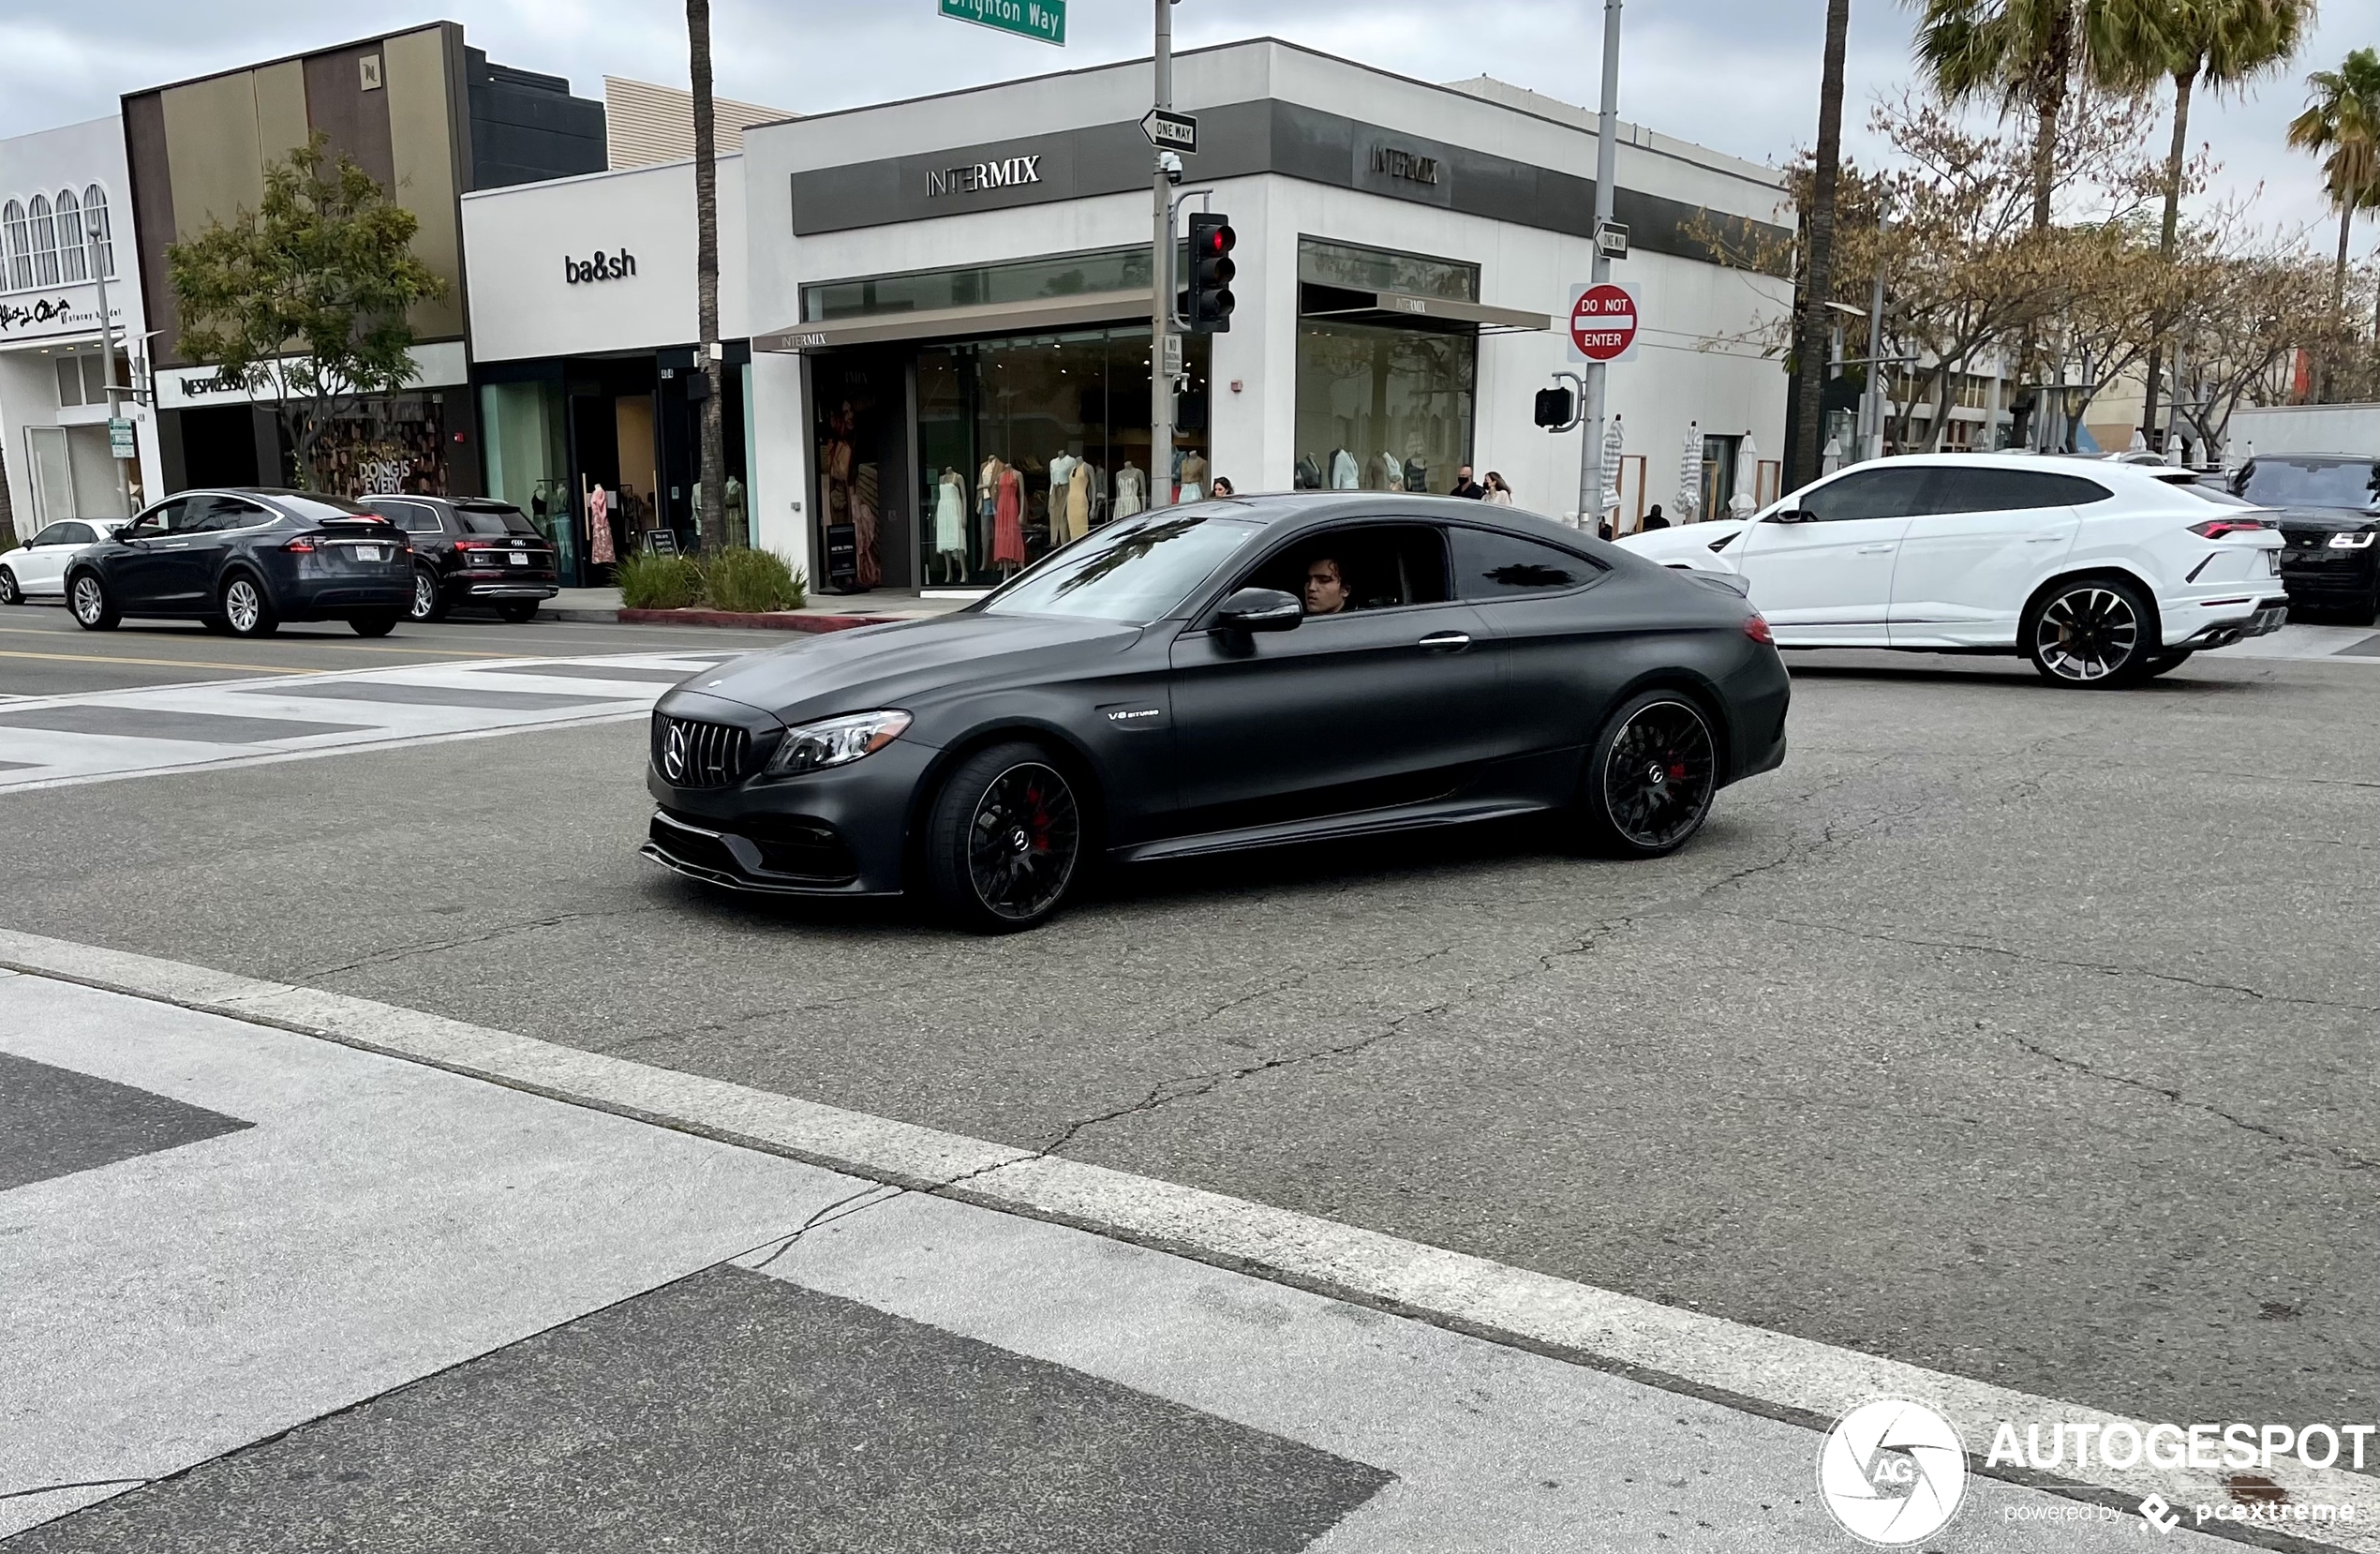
(367, 553)
(518, 558)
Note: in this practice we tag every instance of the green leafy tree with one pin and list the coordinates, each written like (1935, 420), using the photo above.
(2223, 44)
(2342, 125)
(2014, 54)
(305, 299)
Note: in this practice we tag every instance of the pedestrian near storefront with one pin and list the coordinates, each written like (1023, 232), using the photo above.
(1653, 519)
(1223, 486)
(1466, 486)
(1496, 491)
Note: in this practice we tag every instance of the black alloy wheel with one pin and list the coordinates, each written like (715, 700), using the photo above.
(2097, 633)
(429, 600)
(1004, 842)
(9, 592)
(245, 608)
(518, 611)
(1651, 776)
(379, 623)
(93, 608)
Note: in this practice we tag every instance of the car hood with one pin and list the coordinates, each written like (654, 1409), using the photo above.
(895, 665)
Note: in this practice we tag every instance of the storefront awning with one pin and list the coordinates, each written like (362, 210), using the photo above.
(1406, 310)
(1030, 316)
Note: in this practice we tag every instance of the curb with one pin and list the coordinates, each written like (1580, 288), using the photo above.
(778, 620)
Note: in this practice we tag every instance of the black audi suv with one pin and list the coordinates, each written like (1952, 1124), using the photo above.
(2330, 506)
(472, 551)
(244, 561)
(1234, 674)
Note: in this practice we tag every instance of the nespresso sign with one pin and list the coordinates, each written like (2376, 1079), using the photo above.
(977, 177)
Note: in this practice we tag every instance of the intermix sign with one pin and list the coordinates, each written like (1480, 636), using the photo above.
(1043, 21)
(976, 178)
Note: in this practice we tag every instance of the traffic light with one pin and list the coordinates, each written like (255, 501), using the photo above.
(1555, 407)
(1210, 301)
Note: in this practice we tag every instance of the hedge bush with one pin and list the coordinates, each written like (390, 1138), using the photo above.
(650, 582)
(750, 581)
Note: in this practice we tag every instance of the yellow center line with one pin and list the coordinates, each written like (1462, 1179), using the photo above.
(165, 663)
(302, 644)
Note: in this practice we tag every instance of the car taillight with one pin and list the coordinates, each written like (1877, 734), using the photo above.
(304, 543)
(1756, 627)
(2215, 529)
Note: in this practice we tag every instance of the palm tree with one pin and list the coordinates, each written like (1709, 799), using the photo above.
(2342, 122)
(2016, 52)
(2136, 44)
(714, 437)
(1809, 367)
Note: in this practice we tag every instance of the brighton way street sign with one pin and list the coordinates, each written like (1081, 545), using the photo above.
(1043, 21)
(1603, 321)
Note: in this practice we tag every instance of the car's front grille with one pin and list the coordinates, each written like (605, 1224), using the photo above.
(694, 754)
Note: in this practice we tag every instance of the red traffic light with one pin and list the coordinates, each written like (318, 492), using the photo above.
(1217, 241)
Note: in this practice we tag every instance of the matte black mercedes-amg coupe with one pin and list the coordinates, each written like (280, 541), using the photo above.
(1227, 675)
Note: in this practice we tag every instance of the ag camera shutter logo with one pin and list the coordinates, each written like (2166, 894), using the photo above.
(1892, 1472)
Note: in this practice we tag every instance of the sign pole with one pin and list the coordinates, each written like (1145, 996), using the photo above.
(1160, 286)
(93, 256)
(1606, 133)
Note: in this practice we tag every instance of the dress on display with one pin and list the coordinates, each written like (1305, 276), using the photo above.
(1060, 468)
(1343, 471)
(1009, 527)
(1391, 474)
(1309, 475)
(599, 528)
(1194, 478)
(987, 502)
(863, 519)
(1131, 491)
(950, 515)
(1077, 501)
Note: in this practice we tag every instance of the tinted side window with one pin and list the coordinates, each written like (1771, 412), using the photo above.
(77, 533)
(1988, 490)
(54, 535)
(1869, 494)
(157, 520)
(1385, 565)
(415, 518)
(1489, 565)
(228, 513)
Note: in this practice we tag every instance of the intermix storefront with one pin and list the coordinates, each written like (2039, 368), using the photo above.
(583, 326)
(951, 298)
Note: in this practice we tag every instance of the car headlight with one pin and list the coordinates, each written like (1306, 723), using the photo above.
(835, 742)
(2353, 540)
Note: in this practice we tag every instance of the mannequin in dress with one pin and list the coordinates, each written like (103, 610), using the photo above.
(1309, 475)
(1078, 499)
(987, 500)
(1132, 490)
(1343, 471)
(950, 527)
(1193, 477)
(1391, 472)
(1008, 523)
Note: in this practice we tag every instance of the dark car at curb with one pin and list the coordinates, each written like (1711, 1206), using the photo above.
(472, 551)
(2327, 509)
(244, 560)
(1157, 690)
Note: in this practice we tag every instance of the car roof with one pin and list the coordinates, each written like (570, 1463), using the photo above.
(2320, 458)
(1292, 510)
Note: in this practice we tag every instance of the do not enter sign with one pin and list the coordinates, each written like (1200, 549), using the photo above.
(1604, 323)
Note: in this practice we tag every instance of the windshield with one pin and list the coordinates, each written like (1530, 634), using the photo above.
(493, 518)
(2309, 483)
(1132, 571)
(317, 507)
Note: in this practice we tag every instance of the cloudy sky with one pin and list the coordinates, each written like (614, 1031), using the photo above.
(1740, 75)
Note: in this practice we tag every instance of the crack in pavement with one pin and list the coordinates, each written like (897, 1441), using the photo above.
(2102, 967)
(502, 931)
(2353, 1160)
(882, 1192)
(85, 1484)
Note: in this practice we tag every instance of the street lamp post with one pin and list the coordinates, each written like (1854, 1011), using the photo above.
(93, 256)
(1161, 336)
(1606, 136)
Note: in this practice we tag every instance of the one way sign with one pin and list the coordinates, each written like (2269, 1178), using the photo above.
(1171, 131)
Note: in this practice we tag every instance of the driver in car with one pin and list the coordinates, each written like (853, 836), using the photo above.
(1326, 586)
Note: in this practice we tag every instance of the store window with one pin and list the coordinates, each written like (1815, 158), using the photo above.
(18, 239)
(979, 285)
(74, 264)
(523, 436)
(45, 242)
(1382, 406)
(96, 229)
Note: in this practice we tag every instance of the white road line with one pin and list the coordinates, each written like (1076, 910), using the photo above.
(1764, 1372)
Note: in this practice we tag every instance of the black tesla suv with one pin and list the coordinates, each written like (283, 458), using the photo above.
(244, 560)
(2330, 525)
(472, 552)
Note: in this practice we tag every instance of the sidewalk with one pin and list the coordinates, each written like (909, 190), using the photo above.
(823, 613)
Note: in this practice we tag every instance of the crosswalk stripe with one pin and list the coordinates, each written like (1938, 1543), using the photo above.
(160, 662)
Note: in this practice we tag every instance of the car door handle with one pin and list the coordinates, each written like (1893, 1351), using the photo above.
(1873, 549)
(1445, 642)
(2045, 539)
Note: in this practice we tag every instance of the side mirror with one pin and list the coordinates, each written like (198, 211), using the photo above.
(1793, 515)
(1261, 610)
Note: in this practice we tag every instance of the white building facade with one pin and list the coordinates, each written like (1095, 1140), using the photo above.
(62, 210)
(948, 290)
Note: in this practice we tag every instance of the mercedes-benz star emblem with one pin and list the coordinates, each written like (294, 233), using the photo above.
(674, 754)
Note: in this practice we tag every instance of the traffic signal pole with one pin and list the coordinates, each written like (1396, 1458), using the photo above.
(1161, 334)
(1606, 134)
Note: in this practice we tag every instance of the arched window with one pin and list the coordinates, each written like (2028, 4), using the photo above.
(20, 245)
(45, 242)
(73, 264)
(95, 224)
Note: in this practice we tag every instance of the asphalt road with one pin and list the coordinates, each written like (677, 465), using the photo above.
(44, 653)
(2022, 1034)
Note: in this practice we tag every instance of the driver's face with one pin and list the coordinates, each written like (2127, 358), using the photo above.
(1326, 591)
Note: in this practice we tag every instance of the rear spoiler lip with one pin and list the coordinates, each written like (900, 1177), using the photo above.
(1726, 582)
